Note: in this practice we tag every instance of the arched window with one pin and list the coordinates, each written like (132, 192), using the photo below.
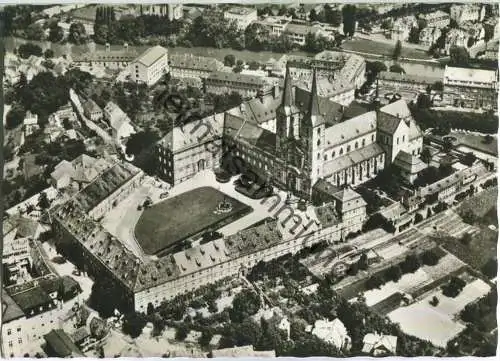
(341, 151)
(319, 156)
(333, 154)
(325, 157)
(319, 142)
(356, 145)
(348, 148)
(363, 143)
(373, 137)
(319, 131)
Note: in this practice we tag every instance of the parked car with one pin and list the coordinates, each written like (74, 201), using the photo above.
(164, 195)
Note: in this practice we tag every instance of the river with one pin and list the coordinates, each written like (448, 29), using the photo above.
(413, 68)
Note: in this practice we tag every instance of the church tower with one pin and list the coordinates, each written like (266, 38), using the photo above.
(312, 134)
(285, 115)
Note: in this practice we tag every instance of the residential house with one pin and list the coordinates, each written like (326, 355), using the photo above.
(379, 344)
(401, 28)
(30, 123)
(467, 12)
(170, 11)
(437, 19)
(428, 36)
(333, 332)
(79, 172)
(491, 51)
(92, 111)
(243, 16)
(118, 121)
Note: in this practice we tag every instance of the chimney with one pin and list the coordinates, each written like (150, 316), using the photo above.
(108, 47)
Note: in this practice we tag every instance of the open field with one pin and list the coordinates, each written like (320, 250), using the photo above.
(185, 215)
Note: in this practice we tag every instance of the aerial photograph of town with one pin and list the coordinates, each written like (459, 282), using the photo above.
(249, 180)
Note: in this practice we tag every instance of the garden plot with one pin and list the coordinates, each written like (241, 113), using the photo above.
(437, 323)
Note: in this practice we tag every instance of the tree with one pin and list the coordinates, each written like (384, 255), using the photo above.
(363, 262)
(430, 258)
(374, 281)
(313, 16)
(434, 302)
(181, 332)
(397, 50)
(56, 33)
(333, 17)
(393, 273)
(396, 68)
(77, 33)
(386, 24)
(490, 268)
(426, 155)
(437, 86)
(349, 19)
(43, 201)
(140, 141)
(410, 264)
(414, 36)
(49, 53)
(245, 303)
(28, 49)
(453, 287)
(424, 101)
(15, 117)
(35, 32)
(466, 239)
(459, 56)
(133, 324)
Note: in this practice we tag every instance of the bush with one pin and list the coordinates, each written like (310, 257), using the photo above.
(490, 268)
(430, 258)
(393, 273)
(410, 264)
(453, 287)
(133, 324)
(181, 332)
(434, 302)
(374, 281)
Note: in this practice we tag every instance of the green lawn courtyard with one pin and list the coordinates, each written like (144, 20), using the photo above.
(186, 215)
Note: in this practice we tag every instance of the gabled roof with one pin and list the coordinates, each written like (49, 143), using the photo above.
(408, 162)
(373, 341)
(150, 56)
(351, 129)
(397, 109)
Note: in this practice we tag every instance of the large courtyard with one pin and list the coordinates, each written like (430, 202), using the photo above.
(186, 215)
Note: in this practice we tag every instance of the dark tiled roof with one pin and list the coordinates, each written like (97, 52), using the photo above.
(61, 344)
(31, 299)
(10, 310)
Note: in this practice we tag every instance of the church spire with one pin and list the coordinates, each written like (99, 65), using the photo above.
(314, 102)
(288, 96)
